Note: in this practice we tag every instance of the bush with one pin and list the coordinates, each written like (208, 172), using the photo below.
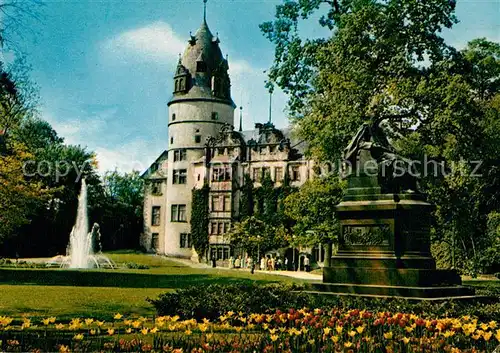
(214, 300)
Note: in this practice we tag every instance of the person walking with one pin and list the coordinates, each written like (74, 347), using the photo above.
(286, 264)
(273, 263)
(262, 263)
(237, 263)
(231, 262)
(306, 264)
(251, 265)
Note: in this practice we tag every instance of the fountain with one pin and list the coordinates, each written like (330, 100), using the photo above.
(84, 248)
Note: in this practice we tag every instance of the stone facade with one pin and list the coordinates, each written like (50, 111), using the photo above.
(204, 147)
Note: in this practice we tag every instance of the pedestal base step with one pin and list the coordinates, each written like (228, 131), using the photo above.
(445, 292)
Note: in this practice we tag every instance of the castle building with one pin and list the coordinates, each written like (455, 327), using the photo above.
(204, 147)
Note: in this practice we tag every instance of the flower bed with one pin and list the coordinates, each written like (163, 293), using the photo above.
(293, 331)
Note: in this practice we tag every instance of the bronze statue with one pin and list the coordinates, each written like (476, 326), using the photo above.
(395, 173)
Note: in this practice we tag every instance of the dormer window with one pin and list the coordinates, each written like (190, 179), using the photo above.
(201, 66)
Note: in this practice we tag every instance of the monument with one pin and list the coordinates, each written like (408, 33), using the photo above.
(384, 244)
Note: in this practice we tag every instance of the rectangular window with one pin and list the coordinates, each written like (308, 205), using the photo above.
(221, 174)
(295, 174)
(154, 241)
(180, 155)
(156, 188)
(185, 240)
(219, 254)
(155, 216)
(257, 174)
(215, 116)
(214, 228)
(226, 253)
(220, 228)
(179, 176)
(227, 204)
(278, 174)
(266, 171)
(216, 204)
(172, 140)
(178, 213)
(173, 117)
(197, 138)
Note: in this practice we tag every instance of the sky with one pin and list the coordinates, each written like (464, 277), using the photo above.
(104, 68)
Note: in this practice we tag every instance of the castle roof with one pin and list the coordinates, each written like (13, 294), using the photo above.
(203, 62)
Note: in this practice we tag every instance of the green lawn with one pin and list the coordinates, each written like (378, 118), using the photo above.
(101, 293)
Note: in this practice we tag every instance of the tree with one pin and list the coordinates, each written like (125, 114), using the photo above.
(254, 235)
(19, 199)
(118, 209)
(385, 60)
(312, 208)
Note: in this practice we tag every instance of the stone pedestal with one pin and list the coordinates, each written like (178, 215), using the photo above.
(384, 248)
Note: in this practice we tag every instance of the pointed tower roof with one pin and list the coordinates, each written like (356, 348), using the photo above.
(203, 60)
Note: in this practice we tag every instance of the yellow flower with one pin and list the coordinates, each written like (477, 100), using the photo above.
(347, 344)
(154, 330)
(78, 337)
(143, 319)
(205, 321)
(128, 322)
(144, 331)
(405, 340)
(89, 321)
(497, 335)
(118, 316)
(326, 331)
(492, 324)
(274, 338)
(99, 323)
(339, 329)
(26, 323)
(59, 326)
(111, 331)
(335, 339)
(448, 333)
(476, 337)
(360, 329)
(46, 321)
(63, 349)
(230, 313)
(388, 335)
(209, 335)
(238, 329)
(52, 319)
(265, 326)
(222, 318)
(484, 327)
(136, 324)
(311, 341)
(487, 336)
(93, 332)
(466, 318)
(352, 333)
(188, 332)
(129, 330)
(408, 329)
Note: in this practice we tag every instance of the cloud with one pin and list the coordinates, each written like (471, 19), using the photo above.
(156, 42)
(131, 155)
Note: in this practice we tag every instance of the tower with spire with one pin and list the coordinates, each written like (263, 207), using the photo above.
(200, 105)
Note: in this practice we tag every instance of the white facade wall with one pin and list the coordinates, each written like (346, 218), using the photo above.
(192, 118)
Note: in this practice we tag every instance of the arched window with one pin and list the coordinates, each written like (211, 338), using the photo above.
(176, 85)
